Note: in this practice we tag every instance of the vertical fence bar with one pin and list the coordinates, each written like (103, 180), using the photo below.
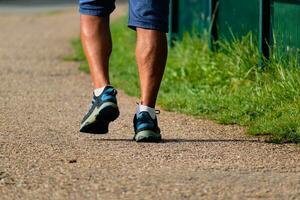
(173, 22)
(213, 32)
(264, 31)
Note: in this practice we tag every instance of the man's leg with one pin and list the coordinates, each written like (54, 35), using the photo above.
(97, 44)
(150, 20)
(151, 56)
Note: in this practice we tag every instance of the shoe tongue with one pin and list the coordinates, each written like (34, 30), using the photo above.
(107, 87)
(144, 115)
(110, 90)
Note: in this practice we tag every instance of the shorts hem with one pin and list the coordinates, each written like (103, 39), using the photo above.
(147, 25)
(98, 13)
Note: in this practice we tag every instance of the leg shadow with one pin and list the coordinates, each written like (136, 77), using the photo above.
(176, 141)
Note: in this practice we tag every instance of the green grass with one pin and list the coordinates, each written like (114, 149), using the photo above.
(225, 86)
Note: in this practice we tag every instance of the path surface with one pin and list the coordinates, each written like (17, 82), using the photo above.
(43, 156)
(34, 6)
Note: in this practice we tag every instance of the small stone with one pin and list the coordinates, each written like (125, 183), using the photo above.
(73, 161)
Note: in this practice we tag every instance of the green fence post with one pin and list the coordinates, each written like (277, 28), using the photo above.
(285, 28)
(213, 32)
(173, 22)
(264, 31)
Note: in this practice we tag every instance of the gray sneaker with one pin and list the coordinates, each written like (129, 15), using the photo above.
(146, 128)
(103, 110)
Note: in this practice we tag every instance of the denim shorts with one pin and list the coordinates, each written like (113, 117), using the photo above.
(147, 14)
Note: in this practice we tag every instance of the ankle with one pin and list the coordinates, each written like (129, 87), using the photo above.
(144, 108)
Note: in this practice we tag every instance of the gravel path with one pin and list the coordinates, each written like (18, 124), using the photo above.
(43, 156)
(34, 6)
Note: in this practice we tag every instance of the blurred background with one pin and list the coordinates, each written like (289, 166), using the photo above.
(23, 6)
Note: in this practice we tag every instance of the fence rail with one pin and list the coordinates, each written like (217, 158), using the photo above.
(275, 23)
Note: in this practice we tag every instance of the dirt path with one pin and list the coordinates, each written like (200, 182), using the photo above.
(33, 6)
(43, 156)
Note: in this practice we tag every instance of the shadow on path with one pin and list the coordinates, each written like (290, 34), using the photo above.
(189, 140)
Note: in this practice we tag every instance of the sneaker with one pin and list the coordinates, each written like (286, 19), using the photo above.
(103, 110)
(146, 128)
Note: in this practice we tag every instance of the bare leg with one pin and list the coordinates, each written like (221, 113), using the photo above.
(151, 56)
(97, 44)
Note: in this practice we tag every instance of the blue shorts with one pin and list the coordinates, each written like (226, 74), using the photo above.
(147, 14)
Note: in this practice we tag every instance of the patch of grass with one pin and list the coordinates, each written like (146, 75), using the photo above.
(226, 85)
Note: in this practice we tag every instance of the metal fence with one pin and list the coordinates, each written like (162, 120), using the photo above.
(285, 25)
(275, 23)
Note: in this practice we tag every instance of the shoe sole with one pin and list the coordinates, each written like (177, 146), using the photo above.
(147, 136)
(98, 121)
